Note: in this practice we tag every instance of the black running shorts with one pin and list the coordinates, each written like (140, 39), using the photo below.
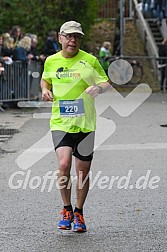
(82, 144)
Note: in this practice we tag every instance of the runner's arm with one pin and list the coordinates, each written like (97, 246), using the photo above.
(103, 87)
(98, 89)
(46, 93)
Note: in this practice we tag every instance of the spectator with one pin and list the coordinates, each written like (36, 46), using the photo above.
(165, 8)
(146, 5)
(23, 48)
(8, 46)
(104, 54)
(1, 43)
(4, 88)
(16, 34)
(158, 11)
(3, 57)
(163, 64)
(51, 44)
(34, 54)
(21, 54)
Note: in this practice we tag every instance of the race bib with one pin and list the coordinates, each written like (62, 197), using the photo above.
(71, 108)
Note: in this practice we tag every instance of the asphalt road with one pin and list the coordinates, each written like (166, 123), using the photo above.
(126, 207)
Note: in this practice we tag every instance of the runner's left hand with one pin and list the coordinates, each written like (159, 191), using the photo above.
(92, 91)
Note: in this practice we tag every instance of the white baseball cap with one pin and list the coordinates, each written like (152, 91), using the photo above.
(71, 27)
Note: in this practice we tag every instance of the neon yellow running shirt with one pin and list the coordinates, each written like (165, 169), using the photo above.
(73, 110)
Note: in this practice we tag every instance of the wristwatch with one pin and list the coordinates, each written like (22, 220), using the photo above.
(100, 89)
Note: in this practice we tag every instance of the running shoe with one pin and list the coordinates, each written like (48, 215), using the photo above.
(66, 219)
(79, 223)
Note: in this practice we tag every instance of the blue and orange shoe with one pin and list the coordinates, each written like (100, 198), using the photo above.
(66, 218)
(79, 223)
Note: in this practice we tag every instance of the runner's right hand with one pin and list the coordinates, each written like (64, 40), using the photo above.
(47, 95)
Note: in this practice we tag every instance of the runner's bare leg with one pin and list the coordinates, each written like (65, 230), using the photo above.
(82, 169)
(64, 155)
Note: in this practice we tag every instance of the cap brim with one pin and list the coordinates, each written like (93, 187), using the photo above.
(73, 31)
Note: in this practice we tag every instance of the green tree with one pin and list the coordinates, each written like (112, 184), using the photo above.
(42, 16)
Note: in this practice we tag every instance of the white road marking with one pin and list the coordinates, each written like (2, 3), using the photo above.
(134, 146)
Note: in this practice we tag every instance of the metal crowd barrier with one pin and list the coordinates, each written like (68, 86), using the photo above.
(20, 81)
